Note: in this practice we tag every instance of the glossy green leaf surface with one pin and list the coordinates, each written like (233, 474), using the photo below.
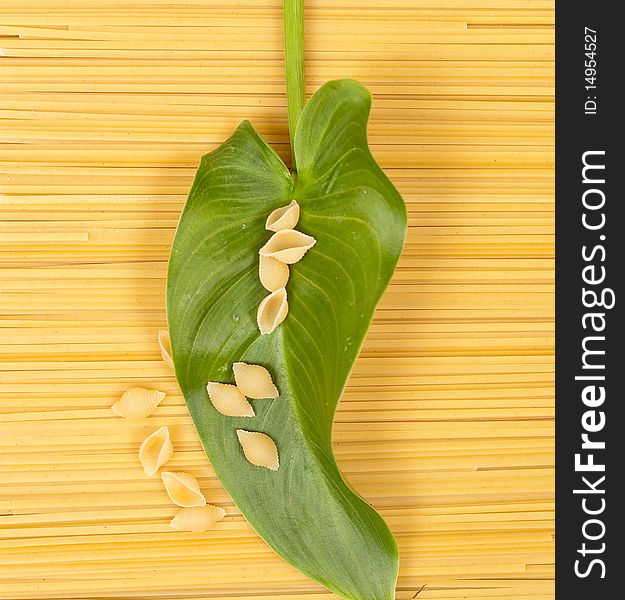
(305, 511)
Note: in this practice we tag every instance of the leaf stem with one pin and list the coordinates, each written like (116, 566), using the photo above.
(294, 61)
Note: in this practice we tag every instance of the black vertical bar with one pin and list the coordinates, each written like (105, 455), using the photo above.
(589, 244)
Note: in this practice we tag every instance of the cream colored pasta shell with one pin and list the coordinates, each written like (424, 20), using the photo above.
(229, 400)
(155, 451)
(254, 381)
(285, 217)
(288, 246)
(137, 403)
(259, 449)
(272, 311)
(183, 489)
(273, 274)
(165, 345)
(197, 519)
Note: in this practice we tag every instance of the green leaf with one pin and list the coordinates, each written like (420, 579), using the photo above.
(305, 511)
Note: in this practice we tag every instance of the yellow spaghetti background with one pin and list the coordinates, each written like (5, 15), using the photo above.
(447, 424)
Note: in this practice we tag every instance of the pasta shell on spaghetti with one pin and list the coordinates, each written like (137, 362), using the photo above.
(229, 400)
(155, 451)
(259, 449)
(183, 489)
(272, 311)
(197, 519)
(254, 381)
(137, 403)
(165, 346)
(288, 246)
(285, 217)
(273, 274)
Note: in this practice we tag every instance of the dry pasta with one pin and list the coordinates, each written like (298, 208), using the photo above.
(259, 449)
(229, 400)
(272, 273)
(137, 403)
(446, 424)
(254, 381)
(165, 346)
(288, 246)
(272, 311)
(285, 217)
(183, 489)
(198, 519)
(155, 451)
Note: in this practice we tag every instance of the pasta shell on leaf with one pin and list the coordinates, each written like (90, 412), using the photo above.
(288, 246)
(197, 519)
(165, 346)
(155, 451)
(137, 403)
(285, 217)
(273, 274)
(349, 548)
(183, 489)
(229, 400)
(254, 381)
(272, 311)
(259, 449)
